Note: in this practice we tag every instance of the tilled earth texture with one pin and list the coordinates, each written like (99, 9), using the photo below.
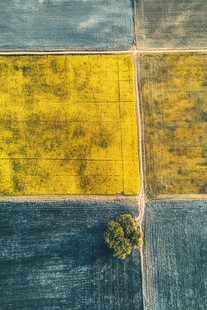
(175, 255)
(65, 24)
(53, 256)
(174, 24)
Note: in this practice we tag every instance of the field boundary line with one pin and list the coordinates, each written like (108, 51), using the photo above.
(181, 197)
(141, 200)
(105, 52)
(140, 132)
(131, 199)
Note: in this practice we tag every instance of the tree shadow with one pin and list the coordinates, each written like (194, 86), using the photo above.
(80, 248)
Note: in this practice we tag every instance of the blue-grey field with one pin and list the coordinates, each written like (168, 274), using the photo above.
(172, 23)
(71, 24)
(175, 255)
(53, 257)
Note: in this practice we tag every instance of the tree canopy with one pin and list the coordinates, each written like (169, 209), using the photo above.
(123, 236)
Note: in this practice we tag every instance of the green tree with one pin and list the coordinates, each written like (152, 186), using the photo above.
(123, 236)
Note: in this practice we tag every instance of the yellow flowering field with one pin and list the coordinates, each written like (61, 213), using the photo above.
(68, 125)
(173, 95)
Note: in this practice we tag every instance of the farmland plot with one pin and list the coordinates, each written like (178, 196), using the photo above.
(65, 24)
(173, 94)
(171, 24)
(53, 256)
(175, 255)
(68, 125)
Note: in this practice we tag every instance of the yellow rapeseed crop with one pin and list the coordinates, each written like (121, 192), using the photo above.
(68, 125)
(174, 101)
